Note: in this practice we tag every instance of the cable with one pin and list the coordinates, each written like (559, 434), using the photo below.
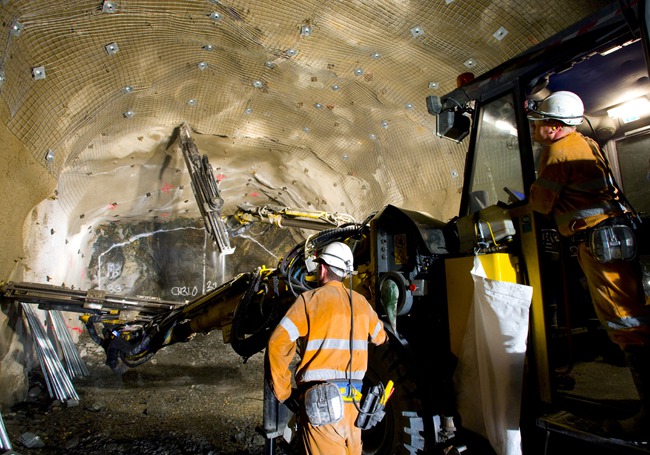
(351, 342)
(376, 406)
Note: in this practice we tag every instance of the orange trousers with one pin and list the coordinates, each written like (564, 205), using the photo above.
(619, 300)
(341, 438)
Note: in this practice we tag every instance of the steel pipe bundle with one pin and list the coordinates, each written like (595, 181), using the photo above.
(58, 382)
(5, 444)
(73, 363)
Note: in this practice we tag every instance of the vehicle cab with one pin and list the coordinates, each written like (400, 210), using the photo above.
(575, 376)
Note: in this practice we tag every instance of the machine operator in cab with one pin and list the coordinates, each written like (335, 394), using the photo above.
(575, 187)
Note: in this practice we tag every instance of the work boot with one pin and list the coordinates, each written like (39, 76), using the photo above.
(636, 427)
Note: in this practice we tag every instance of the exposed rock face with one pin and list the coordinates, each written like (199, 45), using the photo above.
(173, 261)
(177, 260)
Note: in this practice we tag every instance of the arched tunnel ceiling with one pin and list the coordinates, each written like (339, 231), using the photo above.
(312, 104)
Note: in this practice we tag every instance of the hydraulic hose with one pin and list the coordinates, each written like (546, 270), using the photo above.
(293, 267)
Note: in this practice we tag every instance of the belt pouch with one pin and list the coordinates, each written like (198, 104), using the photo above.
(612, 243)
(323, 404)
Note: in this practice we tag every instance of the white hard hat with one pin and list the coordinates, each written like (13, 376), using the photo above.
(339, 257)
(563, 106)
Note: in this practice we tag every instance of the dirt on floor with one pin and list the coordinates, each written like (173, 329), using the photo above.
(197, 397)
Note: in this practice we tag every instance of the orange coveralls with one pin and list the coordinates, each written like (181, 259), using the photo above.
(318, 324)
(574, 188)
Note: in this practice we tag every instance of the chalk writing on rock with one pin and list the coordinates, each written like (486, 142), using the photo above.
(185, 291)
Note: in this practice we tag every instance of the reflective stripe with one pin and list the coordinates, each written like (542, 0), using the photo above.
(334, 343)
(628, 323)
(325, 375)
(606, 207)
(375, 332)
(288, 325)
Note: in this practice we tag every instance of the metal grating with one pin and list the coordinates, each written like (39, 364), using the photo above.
(261, 83)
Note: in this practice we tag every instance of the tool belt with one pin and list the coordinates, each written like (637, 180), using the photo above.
(583, 235)
(349, 392)
(611, 240)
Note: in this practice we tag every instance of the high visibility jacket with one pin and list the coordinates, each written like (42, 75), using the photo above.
(573, 185)
(318, 325)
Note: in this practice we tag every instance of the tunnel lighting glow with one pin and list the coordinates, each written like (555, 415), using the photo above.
(611, 50)
(505, 126)
(631, 110)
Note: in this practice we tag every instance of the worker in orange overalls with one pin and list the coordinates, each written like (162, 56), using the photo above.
(575, 187)
(319, 325)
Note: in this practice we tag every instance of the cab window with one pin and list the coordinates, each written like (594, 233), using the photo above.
(631, 163)
(497, 175)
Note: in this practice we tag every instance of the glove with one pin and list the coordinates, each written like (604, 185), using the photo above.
(293, 402)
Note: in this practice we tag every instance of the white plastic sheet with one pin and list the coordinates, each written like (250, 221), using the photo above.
(489, 375)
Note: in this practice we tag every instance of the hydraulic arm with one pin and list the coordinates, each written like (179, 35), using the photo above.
(93, 301)
(287, 217)
(206, 190)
